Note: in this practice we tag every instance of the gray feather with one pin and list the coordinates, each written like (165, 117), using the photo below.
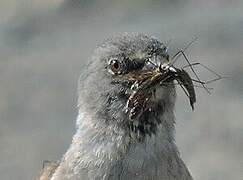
(104, 147)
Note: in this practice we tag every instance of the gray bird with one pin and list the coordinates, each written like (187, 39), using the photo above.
(122, 135)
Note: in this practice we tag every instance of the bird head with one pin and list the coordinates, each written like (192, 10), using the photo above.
(120, 87)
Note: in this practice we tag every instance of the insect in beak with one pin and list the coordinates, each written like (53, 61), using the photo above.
(144, 83)
(164, 75)
(185, 81)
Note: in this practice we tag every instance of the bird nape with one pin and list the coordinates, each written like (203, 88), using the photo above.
(125, 126)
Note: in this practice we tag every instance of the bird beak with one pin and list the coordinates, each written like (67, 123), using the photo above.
(143, 84)
(144, 79)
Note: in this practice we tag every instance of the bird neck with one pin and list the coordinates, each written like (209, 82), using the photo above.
(96, 146)
(114, 141)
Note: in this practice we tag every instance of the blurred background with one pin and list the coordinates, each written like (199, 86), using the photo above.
(44, 45)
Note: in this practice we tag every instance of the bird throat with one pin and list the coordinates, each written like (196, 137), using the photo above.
(147, 123)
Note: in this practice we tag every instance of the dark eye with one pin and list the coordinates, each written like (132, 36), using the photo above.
(115, 66)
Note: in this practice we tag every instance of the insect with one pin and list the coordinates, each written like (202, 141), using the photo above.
(183, 78)
(165, 74)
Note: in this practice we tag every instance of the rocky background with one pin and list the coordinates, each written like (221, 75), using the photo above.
(44, 45)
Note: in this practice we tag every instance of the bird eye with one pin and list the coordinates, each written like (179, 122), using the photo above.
(115, 66)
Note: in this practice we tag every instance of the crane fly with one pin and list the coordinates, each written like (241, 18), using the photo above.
(165, 74)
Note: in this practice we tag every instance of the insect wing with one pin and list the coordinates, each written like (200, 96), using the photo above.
(137, 103)
(186, 81)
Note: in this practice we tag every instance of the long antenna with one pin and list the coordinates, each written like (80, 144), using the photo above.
(178, 54)
(212, 71)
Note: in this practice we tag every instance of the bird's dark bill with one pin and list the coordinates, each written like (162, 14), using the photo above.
(144, 86)
(185, 80)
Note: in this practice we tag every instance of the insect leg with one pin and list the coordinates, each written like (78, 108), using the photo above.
(189, 65)
(201, 82)
(197, 86)
(178, 54)
(212, 71)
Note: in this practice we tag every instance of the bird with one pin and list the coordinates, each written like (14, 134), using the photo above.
(123, 133)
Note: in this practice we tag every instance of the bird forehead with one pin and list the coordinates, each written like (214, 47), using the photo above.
(139, 54)
(135, 45)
